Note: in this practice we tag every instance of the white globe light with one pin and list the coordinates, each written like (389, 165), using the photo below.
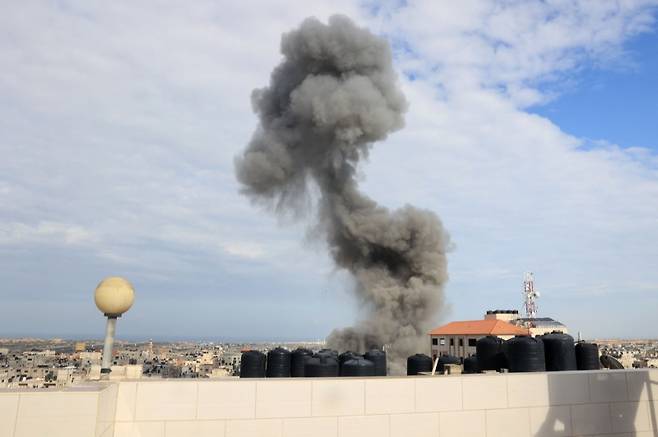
(114, 296)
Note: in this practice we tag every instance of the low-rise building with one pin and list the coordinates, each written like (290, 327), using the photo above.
(459, 338)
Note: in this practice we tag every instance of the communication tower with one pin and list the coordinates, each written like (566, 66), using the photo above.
(530, 295)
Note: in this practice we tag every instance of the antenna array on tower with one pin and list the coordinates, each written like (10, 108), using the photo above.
(530, 295)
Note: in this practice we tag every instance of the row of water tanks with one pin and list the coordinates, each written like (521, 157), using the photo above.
(281, 363)
(549, 352)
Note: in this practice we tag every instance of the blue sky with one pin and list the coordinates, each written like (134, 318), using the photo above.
(617, 102)
(529, 132)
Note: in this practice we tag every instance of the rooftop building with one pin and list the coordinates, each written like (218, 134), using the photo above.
(459, 338)
(541, 325)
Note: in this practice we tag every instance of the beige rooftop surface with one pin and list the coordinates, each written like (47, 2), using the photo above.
(612, 403)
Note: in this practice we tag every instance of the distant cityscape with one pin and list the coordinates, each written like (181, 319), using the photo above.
(58, 363)
(44, 363)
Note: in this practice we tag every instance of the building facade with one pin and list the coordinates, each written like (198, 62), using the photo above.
(459, 338)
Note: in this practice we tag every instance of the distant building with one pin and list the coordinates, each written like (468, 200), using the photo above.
(536, 326)
(505, 315)
(221, 372)
(89, 358)
(80, 346)
(541, 325)
(459, 338)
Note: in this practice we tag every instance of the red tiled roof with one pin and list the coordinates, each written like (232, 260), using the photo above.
(479, 327)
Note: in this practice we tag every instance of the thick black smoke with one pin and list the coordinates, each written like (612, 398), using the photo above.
(332, 96)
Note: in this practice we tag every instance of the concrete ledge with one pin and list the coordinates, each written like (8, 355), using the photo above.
(568, 404)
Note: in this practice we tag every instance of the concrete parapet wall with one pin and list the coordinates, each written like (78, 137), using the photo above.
(81, 411)
(594, 403)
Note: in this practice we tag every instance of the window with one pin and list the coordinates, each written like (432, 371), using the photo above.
(472, 342)
(435, 341)
(452, 342)
(461, 342)
(442, 342)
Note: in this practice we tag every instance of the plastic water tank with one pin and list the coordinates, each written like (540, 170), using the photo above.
(559, 352)
(446, 359)
(490, 355)
(346, 356)
(610, 362)
(587, 356)
(321, 366)
(378, 357)
(525, 354)
(252, 364)
(418, 363)
(328, 352)
(278, 363)
(297, 358)
(471, 364)
(357, 366)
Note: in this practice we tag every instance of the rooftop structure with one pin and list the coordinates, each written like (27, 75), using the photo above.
(530, 295)
(479, 327)
(541, 325)
(506, 315)
(114, 296)
(459, 338)
(568, 404)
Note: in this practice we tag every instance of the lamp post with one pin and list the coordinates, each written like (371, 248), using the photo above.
(114, 296)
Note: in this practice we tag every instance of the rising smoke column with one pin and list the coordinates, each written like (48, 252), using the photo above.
(334, 95)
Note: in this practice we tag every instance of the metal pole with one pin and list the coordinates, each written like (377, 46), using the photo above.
(109, 342)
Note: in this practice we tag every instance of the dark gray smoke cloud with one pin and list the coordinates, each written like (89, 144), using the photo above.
(334, 94)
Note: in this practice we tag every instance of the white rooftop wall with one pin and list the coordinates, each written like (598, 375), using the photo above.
(597, 403)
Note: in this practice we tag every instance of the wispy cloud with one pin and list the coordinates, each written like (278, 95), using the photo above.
(120, 123)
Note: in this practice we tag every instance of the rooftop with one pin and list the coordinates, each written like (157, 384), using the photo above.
(540, 321)
(573, 403)
(479, 327)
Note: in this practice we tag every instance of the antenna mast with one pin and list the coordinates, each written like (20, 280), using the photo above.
(530, 295)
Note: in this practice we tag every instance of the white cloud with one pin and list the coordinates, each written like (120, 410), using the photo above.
(49, 233)
(511, 46)
(244, 250)
(120, 123)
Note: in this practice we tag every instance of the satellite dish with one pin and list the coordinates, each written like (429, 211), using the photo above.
(537, 294)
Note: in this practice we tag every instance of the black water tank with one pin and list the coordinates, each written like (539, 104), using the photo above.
(328, 352)
(321, 366)
(446, 359)
(252, 364)
(418, 363)
(297, 358)
(490, 355)
(610, 362)
(346, 356)
(587, 356)
(357, 366)
(559, 352)
(278, 363)
(378, 357)
(471, 364)
(525, 354)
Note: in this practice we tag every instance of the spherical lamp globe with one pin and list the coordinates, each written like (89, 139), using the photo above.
(114, 296)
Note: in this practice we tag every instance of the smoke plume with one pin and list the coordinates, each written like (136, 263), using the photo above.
(334, 94)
